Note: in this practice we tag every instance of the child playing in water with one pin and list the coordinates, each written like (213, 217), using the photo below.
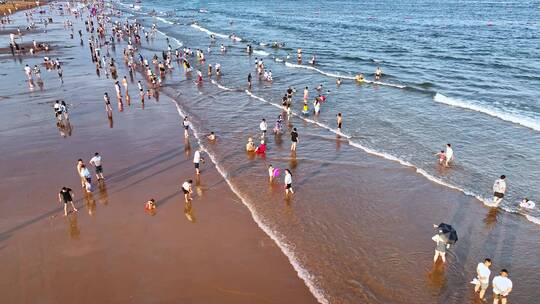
(261, 149)
(305, 109)
(150, 205)
(527, 204)
(442, 157)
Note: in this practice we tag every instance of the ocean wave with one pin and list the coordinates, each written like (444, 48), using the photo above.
(164, 20)
(220, 86)
(209, 32)
(262, 53)
(511, 117)
(278, 239)
(178, 42)
(308, 67)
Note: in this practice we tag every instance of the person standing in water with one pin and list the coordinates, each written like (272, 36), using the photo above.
(96, 162)
(502, 286)
(449, 154)
(270, 172)
(378, 73)
(186, 127)
(187, 189)
(339, 122)
(108, 106)
(482, 277)
(288, 183)
(499, 189)
(294, 139)
(66, 196)
(197, 159)
(249, 80)
(440, 248)
(263, 127)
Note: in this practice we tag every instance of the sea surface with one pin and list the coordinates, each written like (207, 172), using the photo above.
(459, 72)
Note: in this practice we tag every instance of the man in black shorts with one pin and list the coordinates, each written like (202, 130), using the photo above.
(66, 196)
(294, 139)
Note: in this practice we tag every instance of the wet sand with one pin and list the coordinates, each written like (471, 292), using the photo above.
(111, 251)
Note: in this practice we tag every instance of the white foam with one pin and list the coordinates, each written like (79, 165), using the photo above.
(202, 29)
(302, 273)
(262, 53)
(220, 86)
(532, 219)
(308, 67)
(511, 117)
(164, 20)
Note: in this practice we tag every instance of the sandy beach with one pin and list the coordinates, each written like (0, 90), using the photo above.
(112, 251)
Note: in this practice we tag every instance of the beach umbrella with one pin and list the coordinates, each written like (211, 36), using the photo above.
(448, 233)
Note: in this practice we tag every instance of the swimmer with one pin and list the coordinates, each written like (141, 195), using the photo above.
(527, 204)
(339, 122)
(199, 77)
(150, 205)
(249, 80)
(338, 81)
(378, 73)
(299, 55)
(359, 78)
(250, 146)
(305, 108)
(312, 61)
(319, 88)
(211, 136)
(223, 48)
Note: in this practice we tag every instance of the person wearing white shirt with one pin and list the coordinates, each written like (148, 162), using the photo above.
(28, 71)
(449, 154)
(499, 189)
(186, 127)
(197, 158)
(85, 173)
(502, 286)
(96, 162)
(263, 127)
(186, 188)
(482, 277)
(288, 182)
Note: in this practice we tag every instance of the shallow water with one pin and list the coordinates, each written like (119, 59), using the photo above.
(358, 227)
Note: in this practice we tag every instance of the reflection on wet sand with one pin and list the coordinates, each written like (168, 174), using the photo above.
(74, 231)
(90, 203)
(188, 211)
(64, 127)
(103, 195)
(491, 217)
(437, 279)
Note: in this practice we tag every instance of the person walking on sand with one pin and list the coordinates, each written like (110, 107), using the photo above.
(440, 248)
(263, 127)
(502, 286)
(96, 162)
(339, 122)
(449, 155)
(288, 183)
(499, 189)
(66, 196)
(187, 189)
(185, 123)
(482, 277)
(197, 159)
(294, 139)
